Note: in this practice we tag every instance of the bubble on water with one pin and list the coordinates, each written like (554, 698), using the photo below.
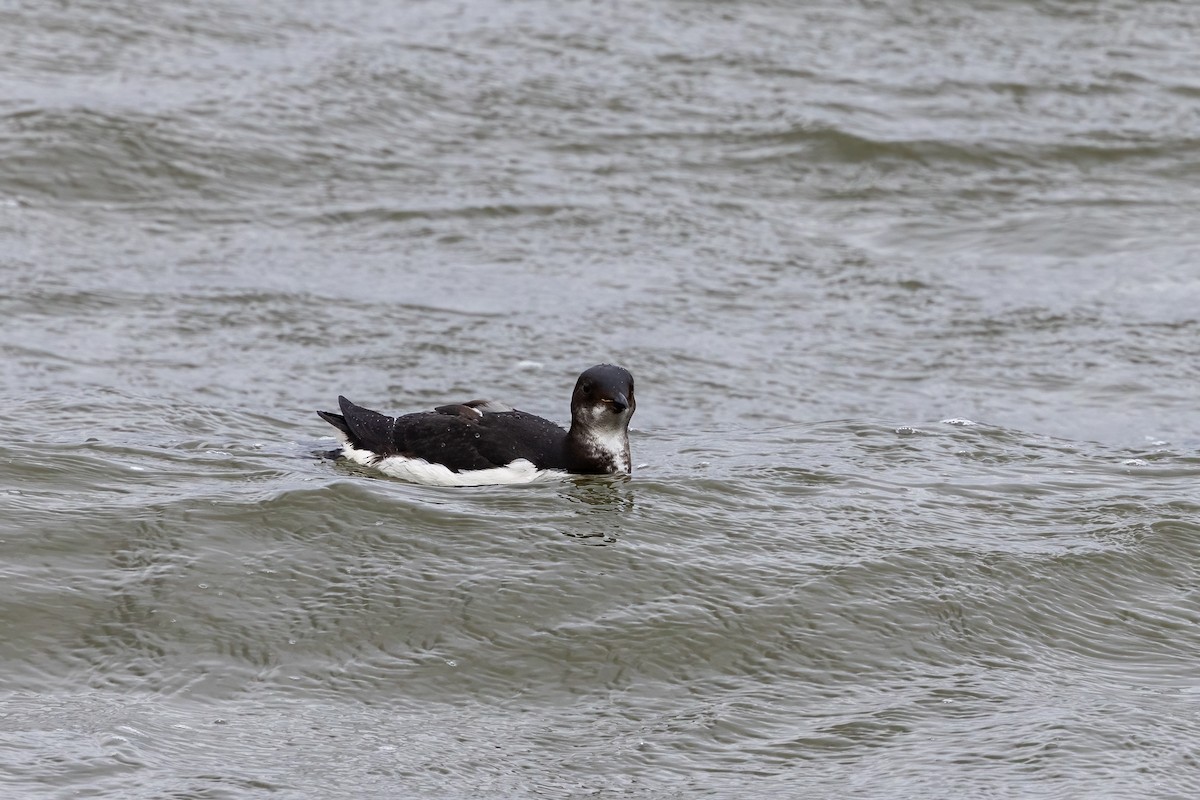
(965, 423)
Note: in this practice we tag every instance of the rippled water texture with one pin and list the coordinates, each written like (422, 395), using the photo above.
(911, 294)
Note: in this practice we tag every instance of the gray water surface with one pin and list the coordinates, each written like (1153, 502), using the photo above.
(912, 295)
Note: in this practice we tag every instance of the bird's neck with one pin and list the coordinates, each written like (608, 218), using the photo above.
(594, 449)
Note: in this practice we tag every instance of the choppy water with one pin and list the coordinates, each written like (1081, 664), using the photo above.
(912, 295)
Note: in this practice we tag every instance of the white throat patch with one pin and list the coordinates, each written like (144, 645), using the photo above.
(614, 444)
(606, 437)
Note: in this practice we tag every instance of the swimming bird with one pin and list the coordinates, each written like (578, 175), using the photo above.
(483, 442)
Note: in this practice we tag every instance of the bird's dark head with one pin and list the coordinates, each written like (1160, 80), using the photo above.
(603, 397)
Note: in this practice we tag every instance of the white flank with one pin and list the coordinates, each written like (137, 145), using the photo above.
(418, 470)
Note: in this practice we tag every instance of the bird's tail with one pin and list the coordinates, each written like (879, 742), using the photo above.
(339, 422)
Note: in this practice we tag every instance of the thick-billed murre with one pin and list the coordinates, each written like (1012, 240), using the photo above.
(483, 442)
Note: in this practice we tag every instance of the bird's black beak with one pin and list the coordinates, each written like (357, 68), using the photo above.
(619, 403)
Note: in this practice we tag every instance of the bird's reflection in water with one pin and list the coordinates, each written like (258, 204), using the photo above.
(601, 505)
